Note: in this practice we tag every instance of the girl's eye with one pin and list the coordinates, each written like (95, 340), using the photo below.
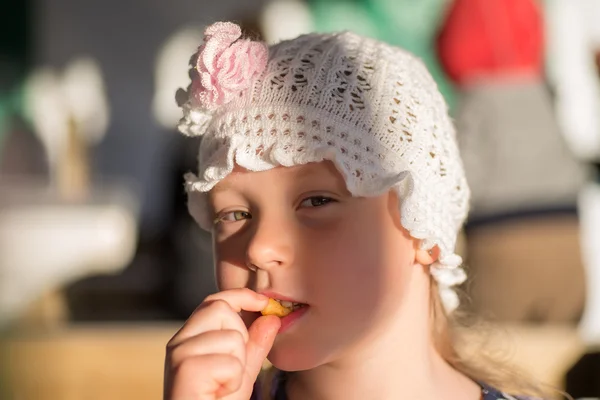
(233, 216)
(316, 201)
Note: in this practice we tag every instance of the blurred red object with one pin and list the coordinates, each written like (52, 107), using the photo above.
(491, 39)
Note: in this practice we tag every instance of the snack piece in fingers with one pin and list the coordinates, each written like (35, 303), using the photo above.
(276, 308)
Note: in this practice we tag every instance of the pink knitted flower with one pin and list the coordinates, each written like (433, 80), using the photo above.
(226, 65)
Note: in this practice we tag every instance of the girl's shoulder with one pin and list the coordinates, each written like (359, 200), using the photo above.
(277, 392)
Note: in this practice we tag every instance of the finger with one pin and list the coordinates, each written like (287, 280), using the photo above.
(229, 342)
(241, 299)
(208, 376)
(237, 299)
(214, 316)
(262, 335)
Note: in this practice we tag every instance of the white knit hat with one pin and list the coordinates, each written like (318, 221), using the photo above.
(370, 108)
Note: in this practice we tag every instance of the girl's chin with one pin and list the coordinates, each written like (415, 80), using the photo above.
(290, 357)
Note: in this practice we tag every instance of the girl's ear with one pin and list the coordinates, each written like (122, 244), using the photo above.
(427, 257)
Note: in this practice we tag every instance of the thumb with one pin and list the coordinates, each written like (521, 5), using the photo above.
(261, 337)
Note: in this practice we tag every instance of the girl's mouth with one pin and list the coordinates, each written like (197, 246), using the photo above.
(281, 308)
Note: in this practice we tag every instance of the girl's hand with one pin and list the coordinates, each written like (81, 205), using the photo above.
(214, 356)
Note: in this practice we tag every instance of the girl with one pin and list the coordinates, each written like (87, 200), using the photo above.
(330, 179)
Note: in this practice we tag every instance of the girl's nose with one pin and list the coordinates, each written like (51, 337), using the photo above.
(271, 244)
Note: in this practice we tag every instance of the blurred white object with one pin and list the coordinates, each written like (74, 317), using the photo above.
(46, 243)
(85, 97)
(285, 19)
(573, 34)
(69, 112)
(172, 73)
(573, 37)
(589, 209)
(47, 109)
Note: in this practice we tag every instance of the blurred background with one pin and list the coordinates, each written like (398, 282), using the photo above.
(100, 262)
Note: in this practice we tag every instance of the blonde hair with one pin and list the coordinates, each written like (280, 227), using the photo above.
(453, 339)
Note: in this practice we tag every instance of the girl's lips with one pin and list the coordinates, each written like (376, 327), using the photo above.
(278, 296)
(289, 320)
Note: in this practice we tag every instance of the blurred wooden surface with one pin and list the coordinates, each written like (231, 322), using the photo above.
(86, 363)
(105, 362)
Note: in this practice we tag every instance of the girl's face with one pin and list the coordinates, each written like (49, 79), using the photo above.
(297, 233)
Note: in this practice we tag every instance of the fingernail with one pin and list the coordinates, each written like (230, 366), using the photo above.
(262, 296)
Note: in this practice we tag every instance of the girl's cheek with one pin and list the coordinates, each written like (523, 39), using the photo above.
(230, 277)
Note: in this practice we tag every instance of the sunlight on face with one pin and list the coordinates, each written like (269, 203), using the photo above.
(298, 232)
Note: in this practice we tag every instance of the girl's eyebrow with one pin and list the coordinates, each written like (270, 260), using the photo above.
(223, 186)
(301, 175)
(320, 178)
(304, 173)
